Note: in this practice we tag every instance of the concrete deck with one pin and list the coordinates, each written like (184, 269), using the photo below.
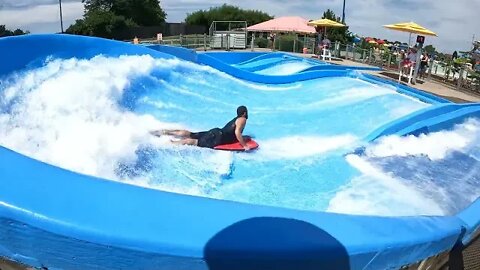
(431, 86)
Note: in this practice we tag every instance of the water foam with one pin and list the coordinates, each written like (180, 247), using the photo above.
(294, 147)
(376, 192)
(435, 145)
(434, 174)
(67, 113)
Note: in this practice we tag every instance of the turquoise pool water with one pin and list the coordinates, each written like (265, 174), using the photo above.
(306, 130)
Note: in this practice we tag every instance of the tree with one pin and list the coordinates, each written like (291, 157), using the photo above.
(340, 34)
(226, 13)
(100, 23)
(105, 18)
(4, 32)
(430, 49)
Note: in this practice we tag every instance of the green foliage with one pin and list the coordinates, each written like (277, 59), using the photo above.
(285, 43)
(441, 56)
(429, 49)
(100, 23)
(105, 18)
(336, 33)
(461, 61)
(141, 12)
(4, 32)
(365, 45)
(261, 42)
(226, 13)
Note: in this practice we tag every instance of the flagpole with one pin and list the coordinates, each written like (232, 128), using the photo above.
(61, 15)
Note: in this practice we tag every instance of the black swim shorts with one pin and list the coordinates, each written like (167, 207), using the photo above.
(208, 139)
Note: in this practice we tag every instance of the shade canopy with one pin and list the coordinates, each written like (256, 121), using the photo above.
(410, 27)
(283, 24)
(325, 23)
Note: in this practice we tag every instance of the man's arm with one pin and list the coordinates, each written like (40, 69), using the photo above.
(240, 125)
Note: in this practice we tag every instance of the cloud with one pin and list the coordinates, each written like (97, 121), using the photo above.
(44, 18)
(454, 21)
(22, 4)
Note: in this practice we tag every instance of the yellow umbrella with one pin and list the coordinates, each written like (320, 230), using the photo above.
(325, 23)
(410, 27)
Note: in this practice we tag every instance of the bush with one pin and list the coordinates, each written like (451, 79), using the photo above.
(285, 43)
(261, 42)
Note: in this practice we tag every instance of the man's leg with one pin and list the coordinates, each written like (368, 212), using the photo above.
(186, 142)
(172, 132)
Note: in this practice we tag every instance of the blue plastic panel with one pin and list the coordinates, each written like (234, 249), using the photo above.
(122, 216)
(64, 220)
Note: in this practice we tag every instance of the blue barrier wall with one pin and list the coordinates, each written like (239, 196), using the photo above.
(259, 78)
(221, 61)
(443, 121)
(64, 220)
(239, 57)
(30, 51)
(235, 58)
(409, 120)
(471, 218)
(165, 225)
(226, 57)
(401, 88)
(180, 52)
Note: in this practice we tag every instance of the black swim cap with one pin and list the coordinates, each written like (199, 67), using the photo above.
(241, 110)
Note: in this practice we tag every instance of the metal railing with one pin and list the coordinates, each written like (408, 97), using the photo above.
(195, 41)
(460, 77)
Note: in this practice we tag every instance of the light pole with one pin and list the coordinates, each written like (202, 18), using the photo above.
(61, 16)
(343, 14)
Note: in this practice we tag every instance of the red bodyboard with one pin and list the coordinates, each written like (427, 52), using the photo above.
(236, 146)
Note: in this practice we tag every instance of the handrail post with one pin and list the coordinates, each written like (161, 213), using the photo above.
(354, 52)
(252, 43)
(430, 67)
(337, 49)
(460, 76)
(228, 42)
(204, 41)
(313, 46)
(294, 43)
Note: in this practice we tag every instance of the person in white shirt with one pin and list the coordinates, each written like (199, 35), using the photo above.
(409, 61)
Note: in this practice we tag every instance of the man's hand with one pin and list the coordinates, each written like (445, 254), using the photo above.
(157, 133)
(246, 148)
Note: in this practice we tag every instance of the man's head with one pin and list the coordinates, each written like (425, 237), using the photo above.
(242, 111)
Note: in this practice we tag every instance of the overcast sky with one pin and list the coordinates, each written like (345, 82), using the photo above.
(455, 22)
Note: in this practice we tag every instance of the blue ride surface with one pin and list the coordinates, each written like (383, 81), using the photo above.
(59, 219)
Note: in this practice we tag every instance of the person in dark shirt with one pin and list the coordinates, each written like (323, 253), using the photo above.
(230, 133)
(454, 55)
